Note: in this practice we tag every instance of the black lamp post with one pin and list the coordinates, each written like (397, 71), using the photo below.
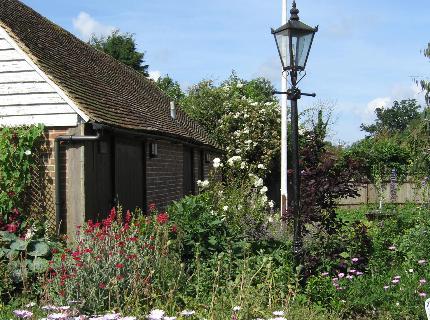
(294, 40)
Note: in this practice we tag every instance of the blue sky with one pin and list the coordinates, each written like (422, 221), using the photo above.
(364, 55)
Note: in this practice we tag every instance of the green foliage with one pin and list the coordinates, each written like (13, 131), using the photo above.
(171, 88)
(424, 83)
(122, 47)
(395, 119)
(24, 260)
(240, 109)
(203, 231)
(18, 146)
(378, 156)
(119, 265)
(395, 267)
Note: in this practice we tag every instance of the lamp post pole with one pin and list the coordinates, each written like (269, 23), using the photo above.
(294, 41)
(293, 95)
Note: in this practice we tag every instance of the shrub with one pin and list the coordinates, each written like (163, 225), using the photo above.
(115, 264)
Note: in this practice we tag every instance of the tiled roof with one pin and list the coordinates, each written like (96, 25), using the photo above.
(107, 91)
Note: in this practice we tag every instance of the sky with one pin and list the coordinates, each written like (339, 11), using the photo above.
(365, 55)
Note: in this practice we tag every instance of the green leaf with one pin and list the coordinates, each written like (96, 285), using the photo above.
(19, 245)
(344, 255)
(38, 249)
(212, 240)
(38, 265)
(7, 236)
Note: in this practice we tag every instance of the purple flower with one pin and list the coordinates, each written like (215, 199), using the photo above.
(23, 314)
(341, 275)
(422, 281)
(392, 248)
(386, 287)
(397, 277)
(324, 274)
(354, 260)
(359, 273)
(422, 294)
(395, 281)
(350, 277)
(352, 271)
(335, 279)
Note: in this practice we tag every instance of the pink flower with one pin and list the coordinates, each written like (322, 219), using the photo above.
(422, 281)
(23, 314)
(392, 248)
(422, 261)
(386, 287)
(354, 260)
(422, 294)
(324, 274)
(341, 275)
(395, 281)
(397, 277)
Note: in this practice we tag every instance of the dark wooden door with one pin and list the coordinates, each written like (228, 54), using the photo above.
(129, 173)
(188, 171)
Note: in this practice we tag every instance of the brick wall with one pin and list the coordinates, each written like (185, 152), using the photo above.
(164, 174)
(42, 192)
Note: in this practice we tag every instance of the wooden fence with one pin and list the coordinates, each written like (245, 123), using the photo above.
(402, 193)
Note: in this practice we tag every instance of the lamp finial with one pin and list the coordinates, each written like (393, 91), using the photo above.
(294, 12)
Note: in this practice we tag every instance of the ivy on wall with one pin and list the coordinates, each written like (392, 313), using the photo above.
(18, 155)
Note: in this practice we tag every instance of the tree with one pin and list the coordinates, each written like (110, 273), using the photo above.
(121, 46)
(395, 119)
(425, 84)
(171, 88)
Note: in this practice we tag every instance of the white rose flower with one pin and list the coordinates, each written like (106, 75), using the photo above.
(258, 182)
(263, 190)
(271, 204)
(261, 166)
(225, 208)
(216, 162)
(243, 165)
(27, 152)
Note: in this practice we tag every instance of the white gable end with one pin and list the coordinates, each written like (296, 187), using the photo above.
(27, 95)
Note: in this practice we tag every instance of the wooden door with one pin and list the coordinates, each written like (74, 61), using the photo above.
(129, 173)
(188, 171)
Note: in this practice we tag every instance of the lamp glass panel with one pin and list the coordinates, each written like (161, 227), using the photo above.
(282, 42)
(301, 45)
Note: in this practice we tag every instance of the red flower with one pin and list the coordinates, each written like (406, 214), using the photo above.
(174, 229)
(102, 285)
(119, 265)
(132, 239)
(162, 218)
(54, 251)
(112, 214)
(128, 217)
(10, 194)
(152, 207)
(121, 244)
(119, 277)
(12, 227)
(88, 250)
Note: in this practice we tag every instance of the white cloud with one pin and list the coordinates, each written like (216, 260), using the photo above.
(87, 26)
(154, 75)
(398, 92)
